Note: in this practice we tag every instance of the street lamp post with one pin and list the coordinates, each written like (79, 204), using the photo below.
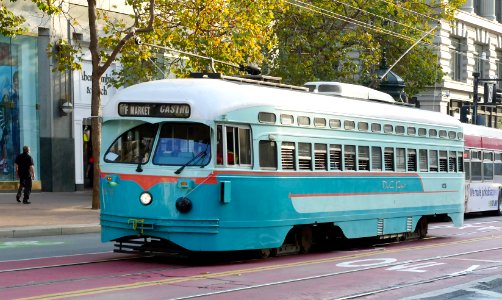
(475, 100)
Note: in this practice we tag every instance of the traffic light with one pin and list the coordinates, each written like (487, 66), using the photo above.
(464, 112)
(488, 96)
(497, 94)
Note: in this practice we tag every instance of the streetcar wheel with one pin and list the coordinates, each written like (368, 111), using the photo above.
(265, 253)
(422, 228)
(305, 239)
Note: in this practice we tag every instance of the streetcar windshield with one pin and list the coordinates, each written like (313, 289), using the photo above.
(183, 144)
(133, 146)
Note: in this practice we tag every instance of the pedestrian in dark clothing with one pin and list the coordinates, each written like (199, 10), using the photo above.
(26, 173)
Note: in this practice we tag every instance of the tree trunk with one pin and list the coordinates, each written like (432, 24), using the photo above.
(95, 102)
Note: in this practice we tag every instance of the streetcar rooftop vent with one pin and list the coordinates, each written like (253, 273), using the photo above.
(348, 90)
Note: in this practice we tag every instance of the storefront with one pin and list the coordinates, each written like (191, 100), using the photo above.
(19, 117)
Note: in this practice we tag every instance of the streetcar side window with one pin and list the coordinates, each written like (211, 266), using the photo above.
(376, 127)
(412, 160)
(350, 157)
(321, 156)
(133, 146)
(460, 162)
(452, 161)
(335, 157)
(389, 159)
(400, 159)
(362, 126)
(305, 156)
(433, 161)
(233, 145)
(423, 160)
(288, 153)
(287, 119)
(319, 122)
(268, 155)
(376, 158)
(265, 117)
(363, 154)
(349, 125)
(443, 161)
(399, 129)
(335, 123)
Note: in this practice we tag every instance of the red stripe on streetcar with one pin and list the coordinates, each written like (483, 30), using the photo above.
(364, 194)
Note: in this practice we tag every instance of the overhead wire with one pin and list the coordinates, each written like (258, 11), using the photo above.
(340, 17)
(379, 16)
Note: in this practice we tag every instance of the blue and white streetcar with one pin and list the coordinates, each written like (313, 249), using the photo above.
(224, 164)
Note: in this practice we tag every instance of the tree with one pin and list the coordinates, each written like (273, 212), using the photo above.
(343, 40)
(100, 65)
(239, 32)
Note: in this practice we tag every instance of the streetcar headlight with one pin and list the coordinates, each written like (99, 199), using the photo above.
(145, 198)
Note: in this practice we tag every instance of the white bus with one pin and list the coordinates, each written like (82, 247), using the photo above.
(483, 168)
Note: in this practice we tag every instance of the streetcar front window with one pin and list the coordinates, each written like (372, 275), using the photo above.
(133, 146)
(183, 143)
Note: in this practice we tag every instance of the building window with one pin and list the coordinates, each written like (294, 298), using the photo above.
(457, 56)
(498, 63)
(481, 60)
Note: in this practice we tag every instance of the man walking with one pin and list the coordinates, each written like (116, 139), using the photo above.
(25, 172)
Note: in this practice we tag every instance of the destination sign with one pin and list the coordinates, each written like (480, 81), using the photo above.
(159, 110)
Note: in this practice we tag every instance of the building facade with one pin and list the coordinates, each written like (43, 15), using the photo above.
(33, 95)
(472, 43)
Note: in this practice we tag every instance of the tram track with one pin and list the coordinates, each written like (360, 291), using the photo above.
(66, 264)
(367, 293)
(173, 279)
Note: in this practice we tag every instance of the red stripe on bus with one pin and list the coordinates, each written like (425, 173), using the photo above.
(483, 142)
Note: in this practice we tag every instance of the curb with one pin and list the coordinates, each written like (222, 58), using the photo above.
(33, 231)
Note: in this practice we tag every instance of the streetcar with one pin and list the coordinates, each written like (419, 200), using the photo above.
(483, 169)
(221, 163)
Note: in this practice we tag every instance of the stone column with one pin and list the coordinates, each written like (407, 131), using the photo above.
(487, 9)
(468, 6)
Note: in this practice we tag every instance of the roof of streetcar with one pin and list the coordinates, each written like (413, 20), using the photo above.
(211, 98)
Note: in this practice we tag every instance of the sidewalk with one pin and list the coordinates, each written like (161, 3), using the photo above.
(48, 214)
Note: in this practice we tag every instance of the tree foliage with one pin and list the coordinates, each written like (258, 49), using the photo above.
(239, 32)
(343, 40)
